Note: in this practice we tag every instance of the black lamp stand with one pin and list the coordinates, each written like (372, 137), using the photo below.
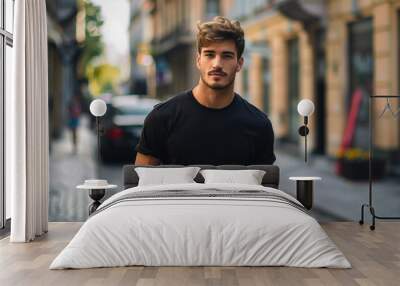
(303, 131)
(97, 194)
(99, 131)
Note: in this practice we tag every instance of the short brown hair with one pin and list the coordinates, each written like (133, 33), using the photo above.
(220, 29)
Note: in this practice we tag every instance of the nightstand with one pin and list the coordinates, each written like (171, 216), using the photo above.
(304, 190)
(97, 190)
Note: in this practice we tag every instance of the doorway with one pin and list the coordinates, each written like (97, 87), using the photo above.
(361, 68)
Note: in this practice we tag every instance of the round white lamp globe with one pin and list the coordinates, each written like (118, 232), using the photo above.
(305, 107)
(98, 107)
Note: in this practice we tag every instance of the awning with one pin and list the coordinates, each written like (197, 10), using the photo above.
(308, 12)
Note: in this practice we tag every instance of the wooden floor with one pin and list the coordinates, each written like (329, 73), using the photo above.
(374, 255)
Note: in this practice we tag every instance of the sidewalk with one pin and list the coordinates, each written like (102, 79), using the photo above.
(67, 170)
(336, 198)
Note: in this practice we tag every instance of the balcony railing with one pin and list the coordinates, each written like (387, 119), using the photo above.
(180, 35)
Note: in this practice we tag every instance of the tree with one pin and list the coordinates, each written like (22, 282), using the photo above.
(102, 78)
(92, 46)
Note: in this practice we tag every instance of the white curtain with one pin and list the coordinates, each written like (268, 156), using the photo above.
(27, 137)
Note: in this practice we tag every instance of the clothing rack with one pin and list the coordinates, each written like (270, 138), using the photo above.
(369, 205)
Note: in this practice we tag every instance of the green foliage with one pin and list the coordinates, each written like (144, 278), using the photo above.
(92, 46)
(102, 78)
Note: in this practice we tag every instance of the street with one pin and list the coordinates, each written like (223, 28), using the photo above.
(68, 170)
(335, 198)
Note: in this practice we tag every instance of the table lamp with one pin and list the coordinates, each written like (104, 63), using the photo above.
(305, 108)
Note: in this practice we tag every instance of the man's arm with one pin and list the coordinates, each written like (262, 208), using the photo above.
(266, 155)
(142, 159)
(150, 148)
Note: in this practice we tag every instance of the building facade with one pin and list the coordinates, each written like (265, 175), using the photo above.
(169, 46)
(63, 56)
(326, 51)
(362, 52)
(137, 30)
(280, 67)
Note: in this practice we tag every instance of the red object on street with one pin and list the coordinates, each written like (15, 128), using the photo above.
(350, 126)
(115, 133)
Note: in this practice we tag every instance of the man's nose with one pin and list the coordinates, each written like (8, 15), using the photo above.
(217, 62)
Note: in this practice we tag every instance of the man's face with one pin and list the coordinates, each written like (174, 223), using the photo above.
(218, 64)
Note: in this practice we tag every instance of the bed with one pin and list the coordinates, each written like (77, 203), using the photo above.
(201, 224)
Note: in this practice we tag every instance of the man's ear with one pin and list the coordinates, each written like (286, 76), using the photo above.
(239, 64)
(198, 60)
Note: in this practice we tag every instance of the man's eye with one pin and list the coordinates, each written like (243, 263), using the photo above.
(209, 55)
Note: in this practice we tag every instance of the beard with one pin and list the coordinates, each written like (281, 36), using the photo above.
(216, 85)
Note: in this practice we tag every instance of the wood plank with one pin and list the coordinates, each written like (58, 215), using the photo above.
(374, 255)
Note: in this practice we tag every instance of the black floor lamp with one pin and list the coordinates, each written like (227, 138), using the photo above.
(97, 188)
(304, 184)
(98, 108)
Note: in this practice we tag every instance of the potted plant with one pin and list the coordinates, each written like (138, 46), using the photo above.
(354, 165)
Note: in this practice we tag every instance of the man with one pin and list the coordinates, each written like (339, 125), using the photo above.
(209, 124)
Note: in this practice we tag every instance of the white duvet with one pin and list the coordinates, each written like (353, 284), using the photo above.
(200, 231)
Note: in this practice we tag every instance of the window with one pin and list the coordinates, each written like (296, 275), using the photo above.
(212, 8)
(398, 76)
(9, 19)
(6, 44)
(266, 72)
(245, 8)
(361, 75)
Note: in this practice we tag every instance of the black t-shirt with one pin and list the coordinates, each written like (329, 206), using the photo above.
(183, 131)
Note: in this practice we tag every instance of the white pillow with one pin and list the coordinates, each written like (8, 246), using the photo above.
(248, 177)
(163, 176)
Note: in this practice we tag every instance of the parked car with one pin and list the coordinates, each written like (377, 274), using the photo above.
(123, 124)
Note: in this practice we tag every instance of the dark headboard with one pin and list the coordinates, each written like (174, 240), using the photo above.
(270, 179)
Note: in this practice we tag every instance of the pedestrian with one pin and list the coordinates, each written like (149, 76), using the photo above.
(74, 112)
(210, 124)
